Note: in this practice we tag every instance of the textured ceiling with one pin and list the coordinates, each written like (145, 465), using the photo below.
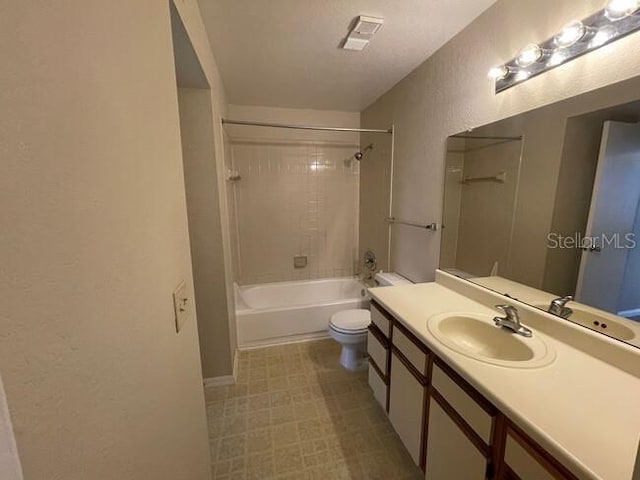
(286, 53)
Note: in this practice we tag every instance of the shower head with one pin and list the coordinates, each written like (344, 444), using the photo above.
(358, 155)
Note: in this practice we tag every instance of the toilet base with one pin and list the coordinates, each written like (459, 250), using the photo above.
(353, 357)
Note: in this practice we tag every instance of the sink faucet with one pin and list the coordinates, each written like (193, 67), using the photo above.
(557, 306)
(512, 321)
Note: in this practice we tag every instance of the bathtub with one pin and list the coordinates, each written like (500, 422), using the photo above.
(273, 313)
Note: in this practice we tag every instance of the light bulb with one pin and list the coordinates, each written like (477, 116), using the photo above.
(602, 36)
(619, 9)
(499, 73)
(557, 58)
(522, 75)
(570, 34)
(529, 55)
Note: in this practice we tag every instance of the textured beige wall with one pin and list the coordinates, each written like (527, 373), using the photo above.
(298, 194)
(450, 93)
(99, 384)
(226, 328)
(375, 186)
(205, 233)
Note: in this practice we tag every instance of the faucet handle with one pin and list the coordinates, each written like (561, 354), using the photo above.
(509, 310)
(562, 301)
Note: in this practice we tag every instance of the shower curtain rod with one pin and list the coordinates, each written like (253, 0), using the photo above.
(304, 127)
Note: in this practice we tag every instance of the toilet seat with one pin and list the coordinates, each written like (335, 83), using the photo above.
(351, 322)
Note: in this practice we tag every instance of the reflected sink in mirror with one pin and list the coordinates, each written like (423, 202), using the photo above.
(476, 336)
(600, 322)
(549, 199)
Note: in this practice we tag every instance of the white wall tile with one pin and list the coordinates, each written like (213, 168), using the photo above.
(295, 200)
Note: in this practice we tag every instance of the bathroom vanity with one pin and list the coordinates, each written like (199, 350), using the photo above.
(471, 400)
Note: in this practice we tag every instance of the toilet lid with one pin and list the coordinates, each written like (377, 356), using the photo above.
(351, 321)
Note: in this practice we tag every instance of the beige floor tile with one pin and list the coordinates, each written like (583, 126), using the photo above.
(260, 466)
(231, 447)
(288, 459)
(259, 441)
(258, 420)
(281, 415)
(296, 414)
(284, 434)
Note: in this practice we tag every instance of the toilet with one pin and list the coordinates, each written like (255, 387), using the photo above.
(350, 327)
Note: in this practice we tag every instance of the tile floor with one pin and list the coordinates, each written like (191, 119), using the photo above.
(296, 414)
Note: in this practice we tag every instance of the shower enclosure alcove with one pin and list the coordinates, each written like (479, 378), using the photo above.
(294, 206)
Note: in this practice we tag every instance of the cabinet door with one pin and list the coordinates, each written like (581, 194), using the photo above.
(450, 453)
(406, 406)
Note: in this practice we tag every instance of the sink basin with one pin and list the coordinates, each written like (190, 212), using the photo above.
(476, 336)
(601, 322)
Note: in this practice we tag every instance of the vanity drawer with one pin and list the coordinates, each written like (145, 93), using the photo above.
(381, 319)
(473, 413)
(524, 459)
(378, 352)
(412, 352)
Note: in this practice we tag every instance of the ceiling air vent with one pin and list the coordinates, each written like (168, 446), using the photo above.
(367, 25)
(362, 32)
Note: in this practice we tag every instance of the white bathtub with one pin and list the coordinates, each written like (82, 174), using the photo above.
(273, 313)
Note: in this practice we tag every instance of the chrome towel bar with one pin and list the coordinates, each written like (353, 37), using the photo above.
(429, 226)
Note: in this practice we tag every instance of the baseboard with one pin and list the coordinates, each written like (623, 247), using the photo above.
(271, 342)
(219, 381)
(225, 379)
(634, 312)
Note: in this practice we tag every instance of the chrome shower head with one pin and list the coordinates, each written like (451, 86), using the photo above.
(358, 156)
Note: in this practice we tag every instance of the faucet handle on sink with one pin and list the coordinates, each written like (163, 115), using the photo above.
(512, 321)
(510, 311)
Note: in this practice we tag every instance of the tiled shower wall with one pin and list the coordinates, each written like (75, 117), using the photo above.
(295, 199)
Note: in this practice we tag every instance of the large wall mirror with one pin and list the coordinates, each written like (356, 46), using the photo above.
(545, 207)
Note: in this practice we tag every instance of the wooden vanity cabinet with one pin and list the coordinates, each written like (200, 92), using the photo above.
(379, 352)
(448, 427)
(461, 428)
(410, 363)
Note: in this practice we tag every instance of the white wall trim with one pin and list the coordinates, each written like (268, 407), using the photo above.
(10, 467)
(235, 365)
(634, 312)
(225, 379)
(219, 381)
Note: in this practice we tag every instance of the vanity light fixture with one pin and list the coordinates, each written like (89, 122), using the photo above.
(529, 55)
(602, 36)
(619, 9)
(617, 19)
(570, 34)
(498, 73)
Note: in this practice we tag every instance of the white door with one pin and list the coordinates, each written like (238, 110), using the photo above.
(614, 204)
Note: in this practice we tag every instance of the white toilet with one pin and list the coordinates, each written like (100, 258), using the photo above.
(349, 327)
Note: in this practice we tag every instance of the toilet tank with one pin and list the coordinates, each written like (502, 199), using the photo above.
(390, 279)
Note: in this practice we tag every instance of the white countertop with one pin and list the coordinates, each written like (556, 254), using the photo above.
(582, 410)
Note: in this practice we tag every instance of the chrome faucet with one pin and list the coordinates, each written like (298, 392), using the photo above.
(557, 306)
(512, 321)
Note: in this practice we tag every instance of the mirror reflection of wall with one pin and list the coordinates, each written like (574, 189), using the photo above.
(547, 204)
(481, 178)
